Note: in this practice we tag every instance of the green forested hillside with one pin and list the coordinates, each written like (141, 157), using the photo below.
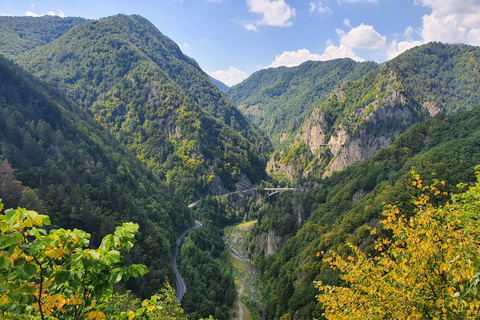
(339, 211)
(278, 99)
(219, 84)
(20, 34)
(173, 135)
(137, 83)
(88, 60)
(445, 75)
(81, 176)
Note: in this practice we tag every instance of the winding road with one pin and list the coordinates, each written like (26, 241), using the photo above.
(181, 287)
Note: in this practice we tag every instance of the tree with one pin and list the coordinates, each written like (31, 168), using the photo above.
(55, 275)
(10, 188)
(428, 269)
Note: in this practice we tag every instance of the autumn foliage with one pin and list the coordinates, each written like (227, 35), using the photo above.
(428, 268)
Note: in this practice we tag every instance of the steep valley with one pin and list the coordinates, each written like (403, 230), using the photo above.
(107, 121)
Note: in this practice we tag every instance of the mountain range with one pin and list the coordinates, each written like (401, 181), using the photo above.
(106, 121)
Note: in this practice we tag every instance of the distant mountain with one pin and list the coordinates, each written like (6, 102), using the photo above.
(219, 84)
(278, 99)
(80, 175)
(364, 116)
(20, 34)
(140, 86)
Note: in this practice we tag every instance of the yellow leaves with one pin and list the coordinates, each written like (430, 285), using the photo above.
(431, 266)
(131, 315)
(3, 300)
(151, 308)
(96, 315)
(75, 301)
(56, 253)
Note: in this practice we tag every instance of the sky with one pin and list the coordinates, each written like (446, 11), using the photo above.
(231, 39)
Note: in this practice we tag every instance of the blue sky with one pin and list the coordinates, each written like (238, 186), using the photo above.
(230, 39)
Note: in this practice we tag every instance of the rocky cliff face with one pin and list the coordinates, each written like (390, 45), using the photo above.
(390, 118)
(268, 241)
(337, 139)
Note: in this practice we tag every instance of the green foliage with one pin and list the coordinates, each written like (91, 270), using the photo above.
(353, 199)
(175, 137)
(277, 100)
(446, 75)
(82, 176)
(20, 34)
(97, 61)
(132, 78)
(52, 275)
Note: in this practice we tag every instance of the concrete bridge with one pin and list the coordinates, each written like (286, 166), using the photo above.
(272, 191)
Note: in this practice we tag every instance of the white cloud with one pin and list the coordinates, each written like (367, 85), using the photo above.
(395, 48)
(295, 58)
(31, 14)
(339, 32)
(184, 46)
(363, 37)
(451, 21)
(251, 27)
(274, 12)
(342, 51)
(230, 77)
(320, 8)
(5, 15)
(50, 13)
(61, 14)
(347, 23)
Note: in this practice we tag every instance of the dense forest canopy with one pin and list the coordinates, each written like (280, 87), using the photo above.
(20, 34)
(138, 84)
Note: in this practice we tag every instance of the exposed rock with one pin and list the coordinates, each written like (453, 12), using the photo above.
(283, 137)
(217, 187)
(432, 108)
(298, 211)
(308, 186)
(274, 166)
(390, 118)
(267, 241)
(312, 131)
(243, 183)
(338, 140)
(359, 195)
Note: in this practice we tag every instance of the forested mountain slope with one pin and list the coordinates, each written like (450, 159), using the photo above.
(340, 207)
(81, 176)
(89, 59)
(278, 99)
(219, 84)
(138, 84)
(20, 34)
(364, 116)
